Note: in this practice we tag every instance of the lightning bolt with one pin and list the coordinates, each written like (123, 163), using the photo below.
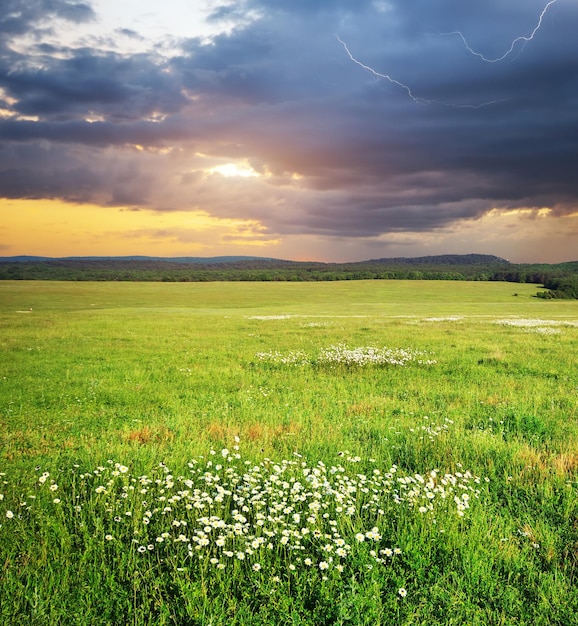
(379, 75)
(524, 38)
(408, 91)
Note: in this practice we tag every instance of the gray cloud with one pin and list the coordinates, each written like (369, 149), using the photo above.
(89, 83)
(19, 17)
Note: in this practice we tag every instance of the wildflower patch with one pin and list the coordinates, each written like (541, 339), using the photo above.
(448, 318)
(252, 519)
(539, 326)
(269, 317)
(340, 355)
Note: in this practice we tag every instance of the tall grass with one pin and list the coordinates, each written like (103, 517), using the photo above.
(153, 437)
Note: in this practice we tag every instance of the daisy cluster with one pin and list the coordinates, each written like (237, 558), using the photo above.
(266, 318)
(293, 357)
(226, 512)
(449, 318)
(341, 355)
(432, 430)
(544, 327)
(545, 330)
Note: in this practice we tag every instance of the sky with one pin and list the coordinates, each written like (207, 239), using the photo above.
(321, 130)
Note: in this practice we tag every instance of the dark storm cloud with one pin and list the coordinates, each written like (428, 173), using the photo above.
(86, 83)
(63, 171)
(18, 17)
(281, 92)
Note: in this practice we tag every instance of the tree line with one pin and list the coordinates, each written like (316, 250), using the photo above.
(559, 280)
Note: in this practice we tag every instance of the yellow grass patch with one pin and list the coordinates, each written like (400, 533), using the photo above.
(562, 464)
(365, 407)
(267, 433)
(148, 434)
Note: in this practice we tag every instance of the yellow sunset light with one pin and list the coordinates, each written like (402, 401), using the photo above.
(87, 229)
(521, 212)
(233, 169)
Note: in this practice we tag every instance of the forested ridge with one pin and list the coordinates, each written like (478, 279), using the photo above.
(559, 280)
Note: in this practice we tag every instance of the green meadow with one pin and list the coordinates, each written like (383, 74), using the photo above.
(357, 452)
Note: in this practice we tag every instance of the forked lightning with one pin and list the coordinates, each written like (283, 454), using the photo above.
(524, 38)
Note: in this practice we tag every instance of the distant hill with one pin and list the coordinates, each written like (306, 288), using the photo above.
(177, 259)
(23, 259)
(561, 280)
(443, 259)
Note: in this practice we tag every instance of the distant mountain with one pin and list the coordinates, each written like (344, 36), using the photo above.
(24, 259)
(444, 259)
(179, 259)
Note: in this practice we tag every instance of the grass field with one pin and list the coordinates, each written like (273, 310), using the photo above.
(368, 452)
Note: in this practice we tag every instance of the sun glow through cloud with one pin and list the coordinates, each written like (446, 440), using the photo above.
(235, 169)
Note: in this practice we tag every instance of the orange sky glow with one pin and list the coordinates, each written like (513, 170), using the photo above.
(54, 228)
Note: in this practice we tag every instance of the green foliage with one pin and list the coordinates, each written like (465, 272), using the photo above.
(444, 267)
(565, 288)
(559, 279)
